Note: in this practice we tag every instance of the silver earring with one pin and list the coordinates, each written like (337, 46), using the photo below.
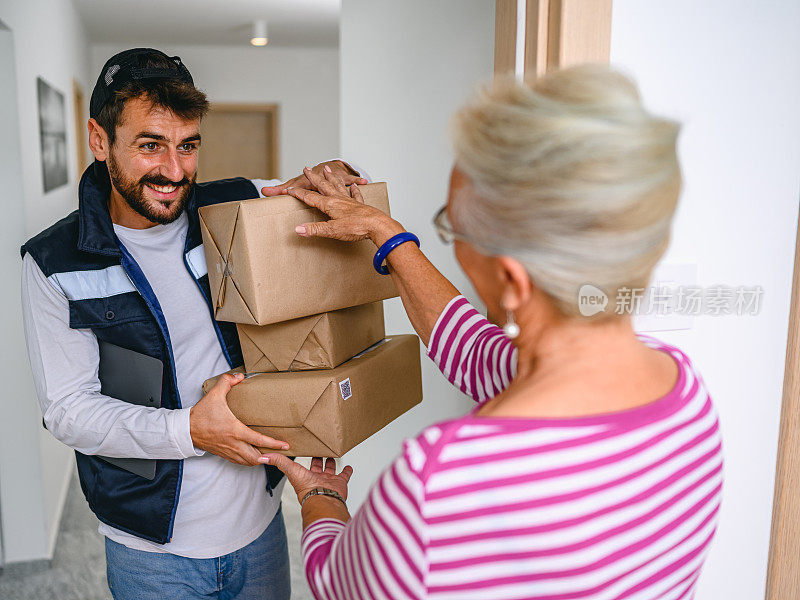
(511, 329)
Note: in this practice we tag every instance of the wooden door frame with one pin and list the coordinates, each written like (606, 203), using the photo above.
(558, 33)
(783, 566)
(273, 133)
(81, 131)
(505, 35)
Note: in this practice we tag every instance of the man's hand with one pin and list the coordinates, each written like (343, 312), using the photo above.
(337, 167)
(215, 429)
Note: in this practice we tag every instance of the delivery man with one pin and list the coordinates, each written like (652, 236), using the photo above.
(128, 268)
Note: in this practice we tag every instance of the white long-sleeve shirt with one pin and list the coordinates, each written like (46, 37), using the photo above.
(222, 506)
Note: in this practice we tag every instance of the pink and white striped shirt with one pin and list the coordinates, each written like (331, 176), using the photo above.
(619, 505)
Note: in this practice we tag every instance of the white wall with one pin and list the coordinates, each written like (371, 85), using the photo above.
(730, 71)
(48, 41)
(406, 67)
(303, 81)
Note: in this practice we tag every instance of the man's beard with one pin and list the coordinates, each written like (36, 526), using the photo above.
(133, 193)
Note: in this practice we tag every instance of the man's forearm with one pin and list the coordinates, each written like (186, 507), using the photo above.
(94, 424)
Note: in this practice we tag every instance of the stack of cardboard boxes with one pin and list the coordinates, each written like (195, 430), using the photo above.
(320, 373)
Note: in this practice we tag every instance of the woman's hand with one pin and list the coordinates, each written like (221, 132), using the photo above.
(339, 168)
(350, 219)
(424, 291)
(304, 480)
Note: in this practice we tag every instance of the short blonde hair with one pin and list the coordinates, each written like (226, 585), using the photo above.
(571, 176)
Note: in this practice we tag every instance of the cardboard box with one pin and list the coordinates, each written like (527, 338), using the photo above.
(328, 412)
(261, 272)
(316, 342)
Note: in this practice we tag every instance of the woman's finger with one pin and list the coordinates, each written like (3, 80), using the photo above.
(347, 473)
(335, 180)
(309, 197)
(318, 229)
(355, 192)
(350, 178)
(333, 229)
(290, 468)
(319, 182)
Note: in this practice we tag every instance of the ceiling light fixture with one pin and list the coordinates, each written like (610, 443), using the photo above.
(259, 37)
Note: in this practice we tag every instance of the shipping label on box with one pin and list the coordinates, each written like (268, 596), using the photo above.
(328, 412)
(261, 271)
(316, 342)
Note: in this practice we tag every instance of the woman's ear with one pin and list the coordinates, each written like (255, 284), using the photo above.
(516, 284)
(98, 140)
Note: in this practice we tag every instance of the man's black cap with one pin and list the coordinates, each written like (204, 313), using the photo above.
(130, 66)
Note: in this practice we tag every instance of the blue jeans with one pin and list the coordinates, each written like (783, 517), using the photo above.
(259, 571)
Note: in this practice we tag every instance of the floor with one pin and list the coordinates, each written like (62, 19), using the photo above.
(77, 571)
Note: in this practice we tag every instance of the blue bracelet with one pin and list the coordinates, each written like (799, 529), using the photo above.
(389, 245)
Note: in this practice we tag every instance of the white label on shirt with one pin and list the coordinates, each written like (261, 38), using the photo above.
(197, 261)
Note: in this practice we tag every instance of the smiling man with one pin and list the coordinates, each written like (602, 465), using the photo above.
(147, 186)
(128, 268)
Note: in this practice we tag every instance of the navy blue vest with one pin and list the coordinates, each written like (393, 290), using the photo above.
(108, 293)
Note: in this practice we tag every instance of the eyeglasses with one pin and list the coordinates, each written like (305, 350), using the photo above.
(444, 228)
(441, 222)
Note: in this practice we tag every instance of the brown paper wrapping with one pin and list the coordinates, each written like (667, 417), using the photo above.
(316, 342)
(261, 272)
(328, 412)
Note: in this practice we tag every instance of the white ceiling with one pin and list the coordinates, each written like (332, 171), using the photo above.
(210, 22)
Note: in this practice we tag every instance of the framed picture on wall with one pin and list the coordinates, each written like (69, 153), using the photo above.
(53, 135)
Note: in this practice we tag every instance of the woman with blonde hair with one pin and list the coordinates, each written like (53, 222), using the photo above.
(592, 465)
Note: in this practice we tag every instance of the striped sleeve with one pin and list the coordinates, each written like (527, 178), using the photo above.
(474, 354)
(603, 506)
(381, 552)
